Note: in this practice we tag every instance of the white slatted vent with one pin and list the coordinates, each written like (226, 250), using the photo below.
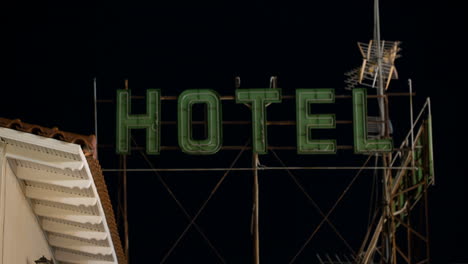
(57, 181)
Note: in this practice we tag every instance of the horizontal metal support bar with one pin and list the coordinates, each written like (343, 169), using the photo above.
(340, 147)
(260, 168)
(107, 146)
(269, 123)
(285, 97)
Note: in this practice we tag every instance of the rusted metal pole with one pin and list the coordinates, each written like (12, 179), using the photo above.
(426, 211)
(386, 234)
(413, 162)
(269, 123)
(95, 115)
(408, 234)
(125, 198)
(262, 168)
(231, 97)
(238, 147)
(256, 232)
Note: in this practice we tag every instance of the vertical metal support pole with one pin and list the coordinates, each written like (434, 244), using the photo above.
(377, 42)
(390, 183)
(389, 243)
(386, 242)
(426, 211)
(125, 194)
(431, 148)
(256, 233)
(410, 85)
(394, 243)
(413, 161)
(409, 237)
(387, 232)
(95, 115)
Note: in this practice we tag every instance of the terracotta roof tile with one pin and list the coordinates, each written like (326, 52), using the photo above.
(101, 187)
(88, 145)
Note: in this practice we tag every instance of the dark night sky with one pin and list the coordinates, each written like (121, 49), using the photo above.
(54, 49)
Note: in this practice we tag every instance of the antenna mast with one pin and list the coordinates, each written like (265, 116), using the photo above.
(387, 228)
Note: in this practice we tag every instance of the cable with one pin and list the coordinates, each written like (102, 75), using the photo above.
(169, 190)
(325, 217)
(192, 222)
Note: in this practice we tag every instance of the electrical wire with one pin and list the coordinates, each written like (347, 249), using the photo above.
(325, 216)
(184, 211)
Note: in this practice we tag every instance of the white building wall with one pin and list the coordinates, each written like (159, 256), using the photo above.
(21, 238)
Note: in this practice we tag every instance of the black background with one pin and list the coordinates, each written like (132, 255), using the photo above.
(55, 48)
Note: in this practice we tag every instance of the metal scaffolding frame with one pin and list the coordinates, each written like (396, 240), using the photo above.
(370, 249)
(404, 187)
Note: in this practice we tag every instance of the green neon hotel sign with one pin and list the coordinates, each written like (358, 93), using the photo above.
(258, 100)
